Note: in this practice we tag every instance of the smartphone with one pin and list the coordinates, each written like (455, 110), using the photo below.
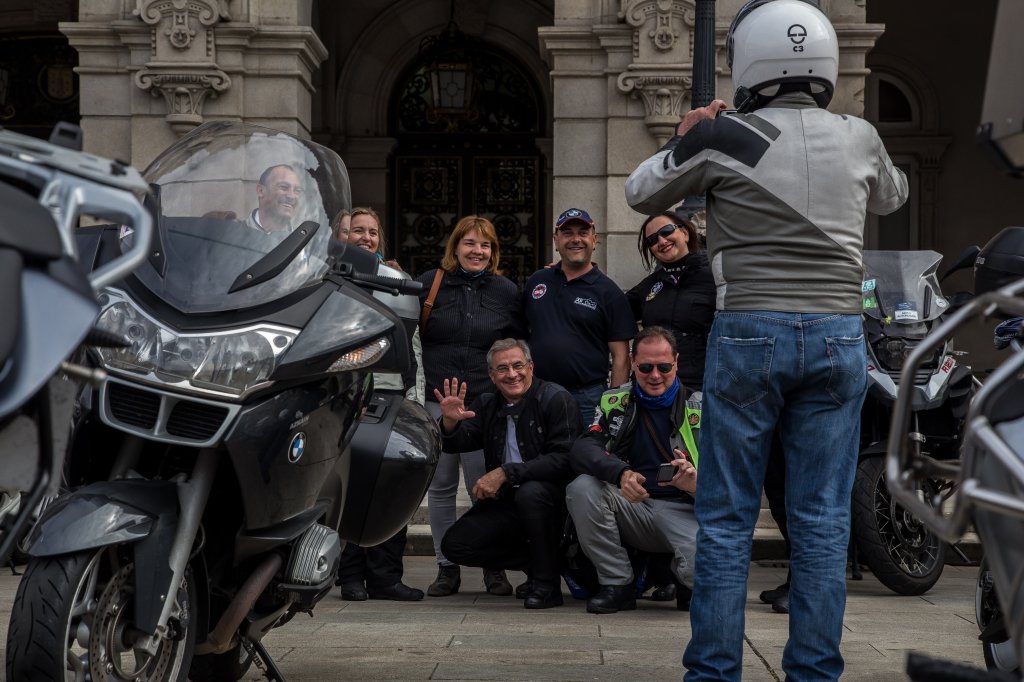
(665, 472)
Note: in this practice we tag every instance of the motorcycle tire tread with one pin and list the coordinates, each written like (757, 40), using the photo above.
(34, 649)
(871, 547)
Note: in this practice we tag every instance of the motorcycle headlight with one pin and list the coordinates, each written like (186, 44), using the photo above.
(231, 363)
(891, 352)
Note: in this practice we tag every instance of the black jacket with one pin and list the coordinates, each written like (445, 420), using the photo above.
(469, 315)
(547, 423)
(604, 451)
(681, 298)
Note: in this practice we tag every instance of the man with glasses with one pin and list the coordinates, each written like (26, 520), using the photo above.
(278, 193)
(619, 497)
(525, 431)
(578, 316)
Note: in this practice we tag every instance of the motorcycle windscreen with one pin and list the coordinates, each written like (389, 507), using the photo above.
(901, 287)
(243, 217)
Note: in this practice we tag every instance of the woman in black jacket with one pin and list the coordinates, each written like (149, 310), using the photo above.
(473, 308)
(679, 294)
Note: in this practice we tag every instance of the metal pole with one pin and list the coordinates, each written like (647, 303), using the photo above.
(703, 55)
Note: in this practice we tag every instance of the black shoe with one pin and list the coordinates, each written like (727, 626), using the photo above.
(524, 589)
(447, 583)
(397, 592)
(543, 596)
(664, 593)
(612, 598)
(769, 596)
(683, 596)
(353, 591)
(781, 605)
(497, 582)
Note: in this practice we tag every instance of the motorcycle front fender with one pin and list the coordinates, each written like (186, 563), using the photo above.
(138, 512)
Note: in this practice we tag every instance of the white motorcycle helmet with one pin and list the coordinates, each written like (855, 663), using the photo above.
(772, 42)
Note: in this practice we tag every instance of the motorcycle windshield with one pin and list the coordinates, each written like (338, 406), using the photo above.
(244, 216)
(900, 287)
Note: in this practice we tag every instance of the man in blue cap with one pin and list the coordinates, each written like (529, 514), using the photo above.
(578, 317)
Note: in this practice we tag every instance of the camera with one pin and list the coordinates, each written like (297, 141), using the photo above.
(665, 472)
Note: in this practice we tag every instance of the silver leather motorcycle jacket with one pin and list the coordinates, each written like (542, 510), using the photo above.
(787, 188)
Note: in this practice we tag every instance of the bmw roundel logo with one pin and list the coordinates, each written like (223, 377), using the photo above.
(296, 448)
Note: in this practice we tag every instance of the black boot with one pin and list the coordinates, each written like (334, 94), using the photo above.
(497, 582)
(769, 596)
(683, 596)
(781, 603)
(449, 578)
(612, 599)
(524, 589)
(664, 593)
(543, 596)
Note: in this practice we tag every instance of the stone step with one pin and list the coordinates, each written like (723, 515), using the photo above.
(768, 543)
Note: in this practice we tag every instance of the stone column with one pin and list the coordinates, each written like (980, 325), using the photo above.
(151, 70)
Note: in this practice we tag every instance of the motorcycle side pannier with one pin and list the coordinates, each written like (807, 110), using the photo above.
(393, 460)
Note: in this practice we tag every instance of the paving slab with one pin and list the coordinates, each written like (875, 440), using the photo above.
(476, 636)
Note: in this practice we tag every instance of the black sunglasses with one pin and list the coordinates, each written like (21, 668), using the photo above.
(663, 231)
(648, 367)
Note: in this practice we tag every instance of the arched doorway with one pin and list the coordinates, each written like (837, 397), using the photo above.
(466, 145)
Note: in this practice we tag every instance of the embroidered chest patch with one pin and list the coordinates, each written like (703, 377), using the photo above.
(655, 290)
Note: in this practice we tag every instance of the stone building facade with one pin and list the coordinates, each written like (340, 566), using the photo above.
(570, 95)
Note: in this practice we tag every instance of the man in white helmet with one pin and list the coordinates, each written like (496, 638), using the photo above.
(788, 185)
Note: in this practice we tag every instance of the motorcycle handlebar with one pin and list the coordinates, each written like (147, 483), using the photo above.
(392, 285)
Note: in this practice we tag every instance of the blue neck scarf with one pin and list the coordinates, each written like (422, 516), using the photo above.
(658, 402)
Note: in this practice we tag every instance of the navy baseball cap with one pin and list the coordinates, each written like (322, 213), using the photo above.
(574, 214)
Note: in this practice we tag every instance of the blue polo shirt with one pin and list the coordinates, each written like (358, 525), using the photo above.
(572, 322)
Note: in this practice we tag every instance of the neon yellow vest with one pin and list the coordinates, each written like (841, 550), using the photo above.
(617, 400)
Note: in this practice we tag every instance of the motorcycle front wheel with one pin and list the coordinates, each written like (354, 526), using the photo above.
(901, 551)
(71, 620)
(997, 649)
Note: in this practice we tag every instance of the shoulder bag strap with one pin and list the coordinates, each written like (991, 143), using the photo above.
(654, 436)
(428, 304)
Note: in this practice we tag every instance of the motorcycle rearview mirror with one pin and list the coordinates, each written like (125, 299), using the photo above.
(964, 260)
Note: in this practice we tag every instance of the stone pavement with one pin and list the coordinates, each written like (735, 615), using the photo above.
(475, 636)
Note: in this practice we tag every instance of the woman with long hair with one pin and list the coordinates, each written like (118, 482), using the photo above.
(679, 294)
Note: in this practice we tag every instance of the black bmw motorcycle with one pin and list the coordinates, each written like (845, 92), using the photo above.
(212, 475)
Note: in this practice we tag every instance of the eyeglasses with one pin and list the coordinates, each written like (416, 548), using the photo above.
(663, 231)
(648, 367)
(502, 370)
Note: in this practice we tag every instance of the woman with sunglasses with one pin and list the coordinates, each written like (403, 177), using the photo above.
(679, 294)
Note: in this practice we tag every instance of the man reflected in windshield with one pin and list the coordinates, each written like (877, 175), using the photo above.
(278, 192)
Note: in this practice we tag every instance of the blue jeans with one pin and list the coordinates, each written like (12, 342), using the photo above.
(808, 373)
(587, 399)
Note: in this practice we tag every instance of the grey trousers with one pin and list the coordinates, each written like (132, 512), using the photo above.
(445, 485)
(604, 520)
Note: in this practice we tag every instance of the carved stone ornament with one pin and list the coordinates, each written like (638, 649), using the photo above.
(664, 96)
(183, 58)
(662, 20)
(184, 93)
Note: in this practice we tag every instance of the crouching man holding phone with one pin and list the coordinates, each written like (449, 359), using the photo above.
(623, 494)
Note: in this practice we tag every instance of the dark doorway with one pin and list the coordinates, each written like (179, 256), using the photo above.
(466, 117)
